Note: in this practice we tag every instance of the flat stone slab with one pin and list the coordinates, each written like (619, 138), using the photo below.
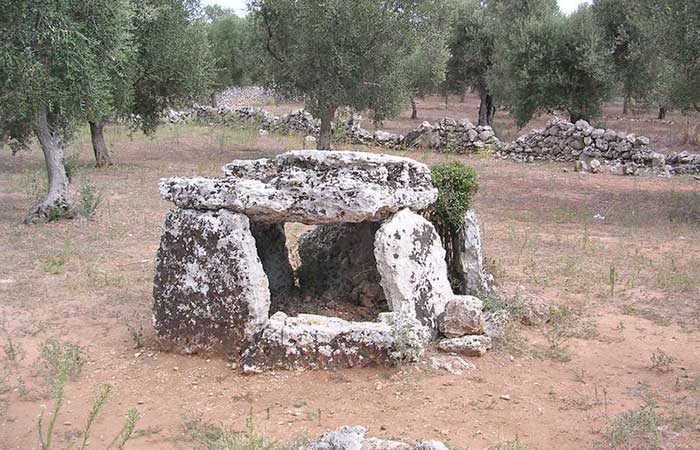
(309, 341)
(310, 187)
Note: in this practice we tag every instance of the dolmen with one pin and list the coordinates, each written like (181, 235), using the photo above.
(223, 254)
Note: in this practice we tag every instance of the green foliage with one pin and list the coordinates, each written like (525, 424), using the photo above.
(337, 53)
(628, 36)
(210, 437)
(59, 357)
(232, 48)
(456, 184)
(471, 45)
(173, 60)
(676, 25)
(552, 63)
(425, 65)
(57, 56)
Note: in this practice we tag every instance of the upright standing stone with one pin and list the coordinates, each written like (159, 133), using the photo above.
(210, 290)
(470, 262)
(411, 261)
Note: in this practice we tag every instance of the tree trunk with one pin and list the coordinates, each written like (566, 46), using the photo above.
(575, 117)
(326, 134)
(57, 204)
(626, 105)
(662, 113)
(487, 109)
(212, 100)
(99, 147)
(414, 109)
(463, 98)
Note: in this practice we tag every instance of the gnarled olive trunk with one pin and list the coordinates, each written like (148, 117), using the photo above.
(626, 105)
(487, 109)
(212, 100)
(325, 139)
(57, 203)
(414, 108)
(99, 147)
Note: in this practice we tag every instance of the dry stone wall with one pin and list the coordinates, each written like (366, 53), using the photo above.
(592, 149)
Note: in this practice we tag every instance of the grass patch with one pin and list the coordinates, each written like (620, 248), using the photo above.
(634, 430)
(646, 313)
(211, 437)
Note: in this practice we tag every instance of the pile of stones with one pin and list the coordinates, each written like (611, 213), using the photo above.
(590, 147)
(223, 253)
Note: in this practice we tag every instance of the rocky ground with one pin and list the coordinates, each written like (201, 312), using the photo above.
(617, 366)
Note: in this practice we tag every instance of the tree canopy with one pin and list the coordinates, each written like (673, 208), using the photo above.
(338, 53)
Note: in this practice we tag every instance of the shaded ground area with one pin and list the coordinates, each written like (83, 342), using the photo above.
(620, 254)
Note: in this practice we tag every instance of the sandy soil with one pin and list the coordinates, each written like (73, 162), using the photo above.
(633, 278)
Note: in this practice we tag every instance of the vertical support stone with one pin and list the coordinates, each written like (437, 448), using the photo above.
(411, 261)
(210, 290)
(469, 263)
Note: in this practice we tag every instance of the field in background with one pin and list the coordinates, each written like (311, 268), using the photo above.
(617, 368)
(676, 133)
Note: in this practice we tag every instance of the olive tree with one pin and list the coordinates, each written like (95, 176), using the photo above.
(471, 45)
(479, 29)
(164, 61)
(173, 60)
(628, 39)
(52, 78)
(337, 53)
(678, 28)
(229, 43)
(425, 65)
(552, 63)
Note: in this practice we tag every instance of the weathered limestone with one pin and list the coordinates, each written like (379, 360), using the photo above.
(473, 279)
(310, 187)
(463, 315)
(411, 262)
(223, 254)
(353, 438)
(337, 261)
(271, 243)
(210, 290)
(466, 345)
(320, 342)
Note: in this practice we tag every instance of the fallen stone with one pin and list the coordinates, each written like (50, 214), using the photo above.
(467, 345)
(310, 187)
(452, 364)
(411, 261)
(353, 438)
(210, 289)
(318, 342)
(462, 316)
(533, 311)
